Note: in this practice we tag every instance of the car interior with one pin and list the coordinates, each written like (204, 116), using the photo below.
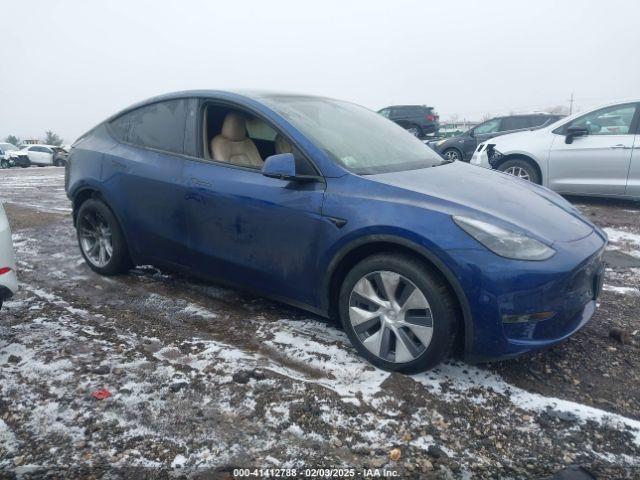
(238, 138)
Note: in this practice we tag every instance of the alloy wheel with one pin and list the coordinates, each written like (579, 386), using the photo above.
(518, 172)
(414, 131)
(452, 155)
(95, 238)
(390, 316)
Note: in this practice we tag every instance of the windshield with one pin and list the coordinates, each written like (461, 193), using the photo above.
(7, 147)
(361, 140)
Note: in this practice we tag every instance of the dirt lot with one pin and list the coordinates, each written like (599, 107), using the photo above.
(204, 379)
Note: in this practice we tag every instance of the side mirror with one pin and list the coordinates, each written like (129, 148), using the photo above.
(281, 166)
(575, 131)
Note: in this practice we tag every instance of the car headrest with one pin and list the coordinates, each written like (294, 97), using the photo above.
(281, 145)
(234, 127)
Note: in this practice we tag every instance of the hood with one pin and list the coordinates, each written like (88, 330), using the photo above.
(494, 195)
(516, 139)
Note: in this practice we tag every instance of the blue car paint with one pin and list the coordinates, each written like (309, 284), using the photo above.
(285, 239)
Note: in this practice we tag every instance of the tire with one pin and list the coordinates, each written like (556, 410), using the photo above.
(94, 215)
(452, 154)
(420, 351)
(520, 168)
(4, 163)
(414, 130)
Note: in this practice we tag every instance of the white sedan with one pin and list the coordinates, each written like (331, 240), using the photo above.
(591, 153)
(8, 279)
(34, 155)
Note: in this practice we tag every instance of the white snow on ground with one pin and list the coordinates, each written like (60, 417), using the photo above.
(624, 240)
(41, 188)
(621, 290)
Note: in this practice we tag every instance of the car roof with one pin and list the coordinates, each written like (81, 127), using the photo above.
(231, 95)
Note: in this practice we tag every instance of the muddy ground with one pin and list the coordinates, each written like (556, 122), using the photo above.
(204, 379)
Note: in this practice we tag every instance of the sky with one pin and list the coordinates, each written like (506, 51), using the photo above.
(67, 65)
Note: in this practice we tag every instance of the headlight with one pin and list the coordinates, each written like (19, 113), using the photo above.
(492, 154)
(440, 142)
(503, 242)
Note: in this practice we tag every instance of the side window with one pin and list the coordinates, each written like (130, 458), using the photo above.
(539, 120)
(160, 125)
(259, 130)
(385, 112)
(515, 123)
(490, 126)
(614, 120)
(191, 128)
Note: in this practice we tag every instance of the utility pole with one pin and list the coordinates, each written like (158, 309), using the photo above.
(571, 104)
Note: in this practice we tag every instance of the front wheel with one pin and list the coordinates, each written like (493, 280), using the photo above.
(398, 314)
(4, 163)
(522, 169)
(101, 240)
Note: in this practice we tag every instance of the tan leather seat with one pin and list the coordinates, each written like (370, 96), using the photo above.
(233, 145)
(282, 146)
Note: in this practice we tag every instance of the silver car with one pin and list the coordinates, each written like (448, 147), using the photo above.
(590, 153)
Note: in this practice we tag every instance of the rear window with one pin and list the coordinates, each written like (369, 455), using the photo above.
(160, 125)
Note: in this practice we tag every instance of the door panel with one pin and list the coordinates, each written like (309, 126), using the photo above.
(594, 164)
(252, 230)
(148, 190)
(597, 163)
(633, 182)
(144, 176)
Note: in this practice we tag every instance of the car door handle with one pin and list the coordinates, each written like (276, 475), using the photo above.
(199, 182)
(620, 146)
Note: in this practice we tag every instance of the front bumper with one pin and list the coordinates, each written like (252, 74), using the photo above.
(21, 161)
(565, 286)
(480, 157)
(8, 285)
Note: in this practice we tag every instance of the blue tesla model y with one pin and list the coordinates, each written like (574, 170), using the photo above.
(328, 206)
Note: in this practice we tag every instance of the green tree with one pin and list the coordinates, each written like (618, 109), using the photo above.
(13, 140)
(52, 138)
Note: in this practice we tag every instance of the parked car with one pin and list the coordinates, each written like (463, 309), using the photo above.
(461, 147)
(5, 154)
(419, 120)
(39, 155)
(591, 153)
(328, 206)
(8, 279)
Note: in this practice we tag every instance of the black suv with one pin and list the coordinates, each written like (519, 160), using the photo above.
(462, 146)
(416, 119)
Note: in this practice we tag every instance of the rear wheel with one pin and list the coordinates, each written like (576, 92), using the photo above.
(452, 154)
(414, 130)
(398, 314)
(522, 169)
(101, 240)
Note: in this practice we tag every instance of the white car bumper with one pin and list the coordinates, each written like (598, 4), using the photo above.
(8, 278)
(480, 157)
